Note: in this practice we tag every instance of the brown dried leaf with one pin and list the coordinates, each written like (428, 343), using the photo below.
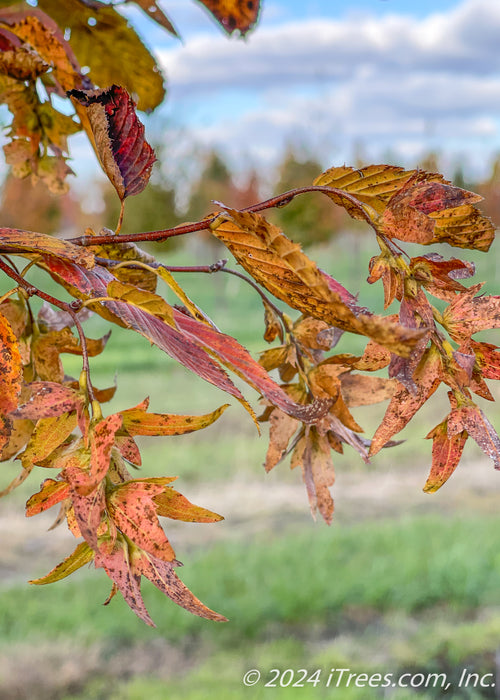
(281, 429)
(318, 474)
(234, 15)
(359, 390)
(283, 269)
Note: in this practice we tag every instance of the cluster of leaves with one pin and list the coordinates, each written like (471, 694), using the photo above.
(52, 421)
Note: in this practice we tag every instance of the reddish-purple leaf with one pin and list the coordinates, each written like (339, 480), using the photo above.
(125, 155)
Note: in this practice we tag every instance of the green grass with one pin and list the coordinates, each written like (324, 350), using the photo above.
(317, 576)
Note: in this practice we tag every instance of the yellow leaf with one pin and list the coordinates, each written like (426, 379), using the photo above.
(82, 555)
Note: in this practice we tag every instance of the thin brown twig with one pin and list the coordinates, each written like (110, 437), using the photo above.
(277, 201)
(70, 308)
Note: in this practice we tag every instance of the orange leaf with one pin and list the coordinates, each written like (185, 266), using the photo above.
(234, 15)
(281, 429)
(115, 560)
(52, 492)
(11, 370)
(172, 504)
(373, 185)
(467, 314)
(404, 404)
(359, 390)
(132, 507)
(446, 453)
(47, 400)
(318, 474)
(469, 417)
(13, 239)
(427, 209)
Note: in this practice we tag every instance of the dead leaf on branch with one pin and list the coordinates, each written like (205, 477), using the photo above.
(103, 40)
(234, 15)
(446, 453)
(118, 138)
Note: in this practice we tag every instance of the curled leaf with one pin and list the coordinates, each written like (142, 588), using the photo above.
(118, 136)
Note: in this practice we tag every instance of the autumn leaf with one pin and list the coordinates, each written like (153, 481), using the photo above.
(93, 283)
(284, 270)
(373, 185)
(172, 504)
(128, 252)
(234, 15)
(228, 351)
(118, 138)
(39, 31)
(470, 418)
(281, 429)
(51, 493)
(152, 10)
(114, 558)
(318, 474)
(162, 575)
(48, 399)
(446, 453)
(48, 434)
(405, 403)
(13, 240)
(138, 422)
(105, 41)
(359, 390)
(132, 507)
(82, 555)
(467, 314)
(428, 209)
(10, 370)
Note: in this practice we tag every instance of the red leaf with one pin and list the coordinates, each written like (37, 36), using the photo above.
(237, 358)
(162, 575)
(404, 404)
(446, 453)
(469, 417)
(49, 399)
(114, 559)
(125, 155)
(88, 283)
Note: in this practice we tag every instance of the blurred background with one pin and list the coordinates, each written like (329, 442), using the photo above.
(402, 581)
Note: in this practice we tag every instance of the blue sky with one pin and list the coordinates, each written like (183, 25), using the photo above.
(387, 79)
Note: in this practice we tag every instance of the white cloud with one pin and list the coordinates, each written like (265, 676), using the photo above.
(390, 82)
